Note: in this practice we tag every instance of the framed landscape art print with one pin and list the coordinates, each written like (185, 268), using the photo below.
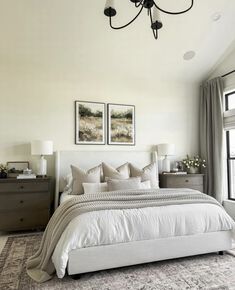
(89, 123)
(121, 124)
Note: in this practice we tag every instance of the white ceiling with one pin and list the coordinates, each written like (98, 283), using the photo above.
(74, 35)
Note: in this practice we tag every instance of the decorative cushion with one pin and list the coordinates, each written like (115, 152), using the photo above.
(80, 176)
(122, 172)
(149, 172)
(90, 188)
(132, 183)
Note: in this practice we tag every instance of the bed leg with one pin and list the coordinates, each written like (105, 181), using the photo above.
(221, 253)
(75, 277)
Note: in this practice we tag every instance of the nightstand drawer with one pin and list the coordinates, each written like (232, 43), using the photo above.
(15, 201)
(184, 181)
(29, 186)
(24, 220)
(192, 181)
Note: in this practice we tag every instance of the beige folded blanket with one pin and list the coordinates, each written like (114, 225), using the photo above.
(40, 266)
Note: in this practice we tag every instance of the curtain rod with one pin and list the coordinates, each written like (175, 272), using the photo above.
(229, 73)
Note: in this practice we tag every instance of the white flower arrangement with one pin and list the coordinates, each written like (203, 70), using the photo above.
(195, 162)
(3, 168)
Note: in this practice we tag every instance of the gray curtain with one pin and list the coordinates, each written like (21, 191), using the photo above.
(211, 135)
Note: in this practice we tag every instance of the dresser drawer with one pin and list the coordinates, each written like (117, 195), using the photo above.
(23, 220)
(184, 181)
(31, 201)
(30, 186)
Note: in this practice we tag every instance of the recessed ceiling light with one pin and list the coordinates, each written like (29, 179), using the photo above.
(216, 16)
(189, 55)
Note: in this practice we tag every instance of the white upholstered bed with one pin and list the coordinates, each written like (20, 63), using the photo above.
(118, 254)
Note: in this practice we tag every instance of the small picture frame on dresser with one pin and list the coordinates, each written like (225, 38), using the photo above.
(16, 167)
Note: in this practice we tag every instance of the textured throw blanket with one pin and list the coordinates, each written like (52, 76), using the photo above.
(40, 266)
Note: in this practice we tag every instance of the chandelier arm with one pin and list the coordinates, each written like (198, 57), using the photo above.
(151, 16)
(174, 13)
(120, 27)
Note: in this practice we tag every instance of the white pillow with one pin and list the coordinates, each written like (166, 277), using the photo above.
(80, 176)
(132, 183)
(69, 181)
(90, 188)
(149, 172)
(122, 172)
(145, 184)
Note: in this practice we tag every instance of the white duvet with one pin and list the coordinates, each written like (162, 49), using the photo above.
(120, 226)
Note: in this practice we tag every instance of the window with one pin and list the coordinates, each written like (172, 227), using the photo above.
(230, 101)
(229, 121)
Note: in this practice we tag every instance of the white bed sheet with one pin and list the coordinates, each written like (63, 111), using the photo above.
(66, 195)
(120, 226)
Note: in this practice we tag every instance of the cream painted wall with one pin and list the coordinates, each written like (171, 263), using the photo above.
(227, 64)
(40, 105)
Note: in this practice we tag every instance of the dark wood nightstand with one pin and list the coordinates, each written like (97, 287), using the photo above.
(25, 203)
(193, 181)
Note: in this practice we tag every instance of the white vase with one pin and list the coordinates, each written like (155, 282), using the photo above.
(193, 170)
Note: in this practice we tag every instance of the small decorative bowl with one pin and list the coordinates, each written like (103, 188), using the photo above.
(27, 171)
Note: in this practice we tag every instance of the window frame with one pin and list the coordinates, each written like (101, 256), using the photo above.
(229, 158)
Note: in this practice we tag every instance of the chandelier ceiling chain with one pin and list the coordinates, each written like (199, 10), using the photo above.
(153, 12)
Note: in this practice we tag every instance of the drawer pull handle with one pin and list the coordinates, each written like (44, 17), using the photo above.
(186, 180)
(21, 201)
(21, 187)
(21, 219)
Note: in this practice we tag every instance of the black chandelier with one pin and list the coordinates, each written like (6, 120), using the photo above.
(153, 12)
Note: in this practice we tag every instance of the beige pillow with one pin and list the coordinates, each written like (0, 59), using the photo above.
(149, 172)
(132, 183)
(80, 176)
(90, 188)
(122, 172)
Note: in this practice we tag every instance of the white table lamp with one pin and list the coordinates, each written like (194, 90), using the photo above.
(166, 150)
(42, 148)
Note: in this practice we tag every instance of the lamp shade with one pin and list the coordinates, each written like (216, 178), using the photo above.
(41, 147)
(166, 149)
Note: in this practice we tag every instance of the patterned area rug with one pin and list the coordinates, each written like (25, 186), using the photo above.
(201, 272)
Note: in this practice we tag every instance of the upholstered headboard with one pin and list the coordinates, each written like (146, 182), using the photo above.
(88, 159)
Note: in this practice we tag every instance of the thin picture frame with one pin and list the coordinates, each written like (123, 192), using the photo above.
(89, 129)
(121, 125)
(16, 167)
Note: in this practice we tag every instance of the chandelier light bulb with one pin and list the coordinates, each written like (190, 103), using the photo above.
(109, 3)
(156, 15)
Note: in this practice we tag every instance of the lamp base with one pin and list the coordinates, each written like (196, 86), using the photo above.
(42, 167)
(166, 165)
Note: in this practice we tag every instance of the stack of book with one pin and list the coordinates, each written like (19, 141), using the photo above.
(176, 173)
(26, 176)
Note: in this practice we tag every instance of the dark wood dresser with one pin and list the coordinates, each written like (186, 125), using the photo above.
(25, 203)
(193, 181)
